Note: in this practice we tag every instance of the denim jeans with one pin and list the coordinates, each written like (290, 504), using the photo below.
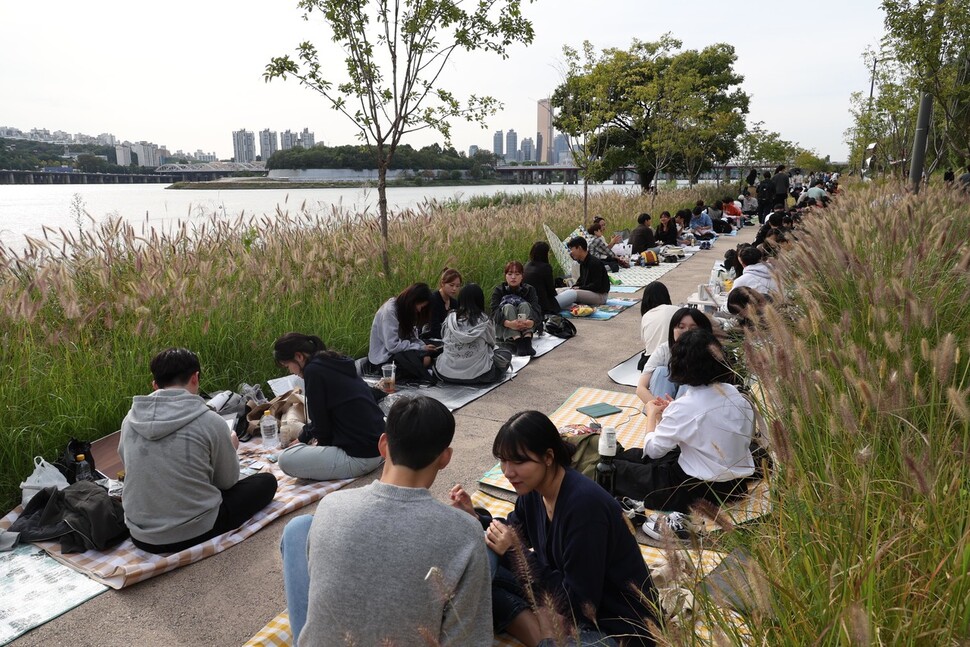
(296, 571)
(660, 384)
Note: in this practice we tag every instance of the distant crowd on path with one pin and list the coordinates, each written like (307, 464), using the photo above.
(529, 575)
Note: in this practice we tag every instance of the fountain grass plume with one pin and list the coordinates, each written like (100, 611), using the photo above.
(866, 389)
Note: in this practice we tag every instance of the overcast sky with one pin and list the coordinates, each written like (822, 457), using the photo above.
(186, 74)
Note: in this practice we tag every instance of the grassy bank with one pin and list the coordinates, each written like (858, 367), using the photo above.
(867, 372)
(80, 320)
(286, 184)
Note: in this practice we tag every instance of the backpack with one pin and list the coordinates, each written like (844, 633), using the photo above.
(650, 258)
(558, 326)
(587, 453)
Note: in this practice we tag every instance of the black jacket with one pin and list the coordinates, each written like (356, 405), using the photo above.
(526, 292)
(341, 407)
(82, 516)
(539, 276)
(667, 236)
(642, 239)
(592, 276)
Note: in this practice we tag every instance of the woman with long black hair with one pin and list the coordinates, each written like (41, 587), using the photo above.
(394, 335)
(470, 355)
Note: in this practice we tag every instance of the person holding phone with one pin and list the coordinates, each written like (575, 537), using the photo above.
(394, 334)
(515, 310)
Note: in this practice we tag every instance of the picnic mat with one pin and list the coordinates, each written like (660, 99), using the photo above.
(626, 372)
(126, 565)
(638, 276)
(625, 289)
(631, 427)
(34, 589)
(612, 308)
(455, 396)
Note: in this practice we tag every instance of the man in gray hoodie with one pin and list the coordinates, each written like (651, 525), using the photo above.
(182, 482)
(757, 275)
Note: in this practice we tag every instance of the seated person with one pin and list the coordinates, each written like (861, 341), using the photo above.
(566, 519)
(732, 212)
(470, 355)
(515, 310)
(716, 213)
(746, 305)
(701, 225)
(666, 233)
(387, 564)
(655, 313)
(642, 237)
(774, 221)
(757, 275)
(601, 221)
(592, 286)
(442, 302)
(697, 446)
(394, 334)
(340, 439)
(749, 203)
(538, 273)
(598, 248)
(182, 482)
(655, 379)
(683, 226)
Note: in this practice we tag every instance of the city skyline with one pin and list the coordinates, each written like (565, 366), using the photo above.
(799, 85)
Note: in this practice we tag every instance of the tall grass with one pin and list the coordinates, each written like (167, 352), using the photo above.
(81, 313)
(866, 367)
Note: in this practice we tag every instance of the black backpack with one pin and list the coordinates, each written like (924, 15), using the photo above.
(559, 326)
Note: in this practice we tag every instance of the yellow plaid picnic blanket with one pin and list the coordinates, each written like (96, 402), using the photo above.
(631, 427)
(126, 565)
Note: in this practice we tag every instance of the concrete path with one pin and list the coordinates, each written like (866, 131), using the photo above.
(226, 599)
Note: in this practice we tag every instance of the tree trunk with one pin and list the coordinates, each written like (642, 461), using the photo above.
(382, 210)
(646, 179)
(585, 200)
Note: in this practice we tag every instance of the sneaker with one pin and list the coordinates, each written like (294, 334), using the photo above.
(676, 521)
(523, 347)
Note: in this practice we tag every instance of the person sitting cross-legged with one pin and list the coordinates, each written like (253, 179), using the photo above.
(470, 355)
(182, 482)
(387, 564)
(592, 286)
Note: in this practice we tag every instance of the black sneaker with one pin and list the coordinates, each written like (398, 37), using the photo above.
(676, 521)
(523, 347)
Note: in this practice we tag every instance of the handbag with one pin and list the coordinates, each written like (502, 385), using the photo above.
(44, 475)
(67, 463)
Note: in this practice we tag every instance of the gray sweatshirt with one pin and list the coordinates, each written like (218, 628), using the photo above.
(385, 339)
(178, 456)
(370, 552)
(468, 349)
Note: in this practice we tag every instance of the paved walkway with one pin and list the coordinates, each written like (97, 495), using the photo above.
(224, 600)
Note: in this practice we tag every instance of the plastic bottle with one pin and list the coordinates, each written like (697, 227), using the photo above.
(83, 471)
(269, 429)
(605, 469)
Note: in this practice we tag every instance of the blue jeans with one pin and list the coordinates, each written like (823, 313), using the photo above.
(296, 571)
(660, 384)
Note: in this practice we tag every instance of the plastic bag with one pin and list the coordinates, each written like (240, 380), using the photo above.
(44, 475)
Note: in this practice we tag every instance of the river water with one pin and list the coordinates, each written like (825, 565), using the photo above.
(25, 209)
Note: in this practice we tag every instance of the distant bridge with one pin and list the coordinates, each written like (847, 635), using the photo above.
(164, 174)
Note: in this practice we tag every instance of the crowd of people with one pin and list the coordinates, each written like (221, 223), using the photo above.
(565, 557)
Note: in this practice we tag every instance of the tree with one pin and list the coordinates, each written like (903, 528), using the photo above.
(394, 54)
(761, 147)
(652, 101)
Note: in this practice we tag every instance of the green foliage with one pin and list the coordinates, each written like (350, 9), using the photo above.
(364, 157)
(865, 367)
(395, 52)
(765, 148)
(653, 108)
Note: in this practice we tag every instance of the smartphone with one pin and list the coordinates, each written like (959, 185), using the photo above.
(521, 316)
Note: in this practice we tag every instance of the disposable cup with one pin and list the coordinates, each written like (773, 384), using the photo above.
(387, 372)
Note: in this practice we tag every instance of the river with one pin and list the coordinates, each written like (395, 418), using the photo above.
(25, 209)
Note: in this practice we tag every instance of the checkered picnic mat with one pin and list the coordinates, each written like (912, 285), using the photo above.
(640, 276)
(631, 427)
(126, 565)
(276, 633)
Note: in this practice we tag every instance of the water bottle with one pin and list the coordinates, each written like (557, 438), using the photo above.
(83, 470)
(269, 429)
(605, 469)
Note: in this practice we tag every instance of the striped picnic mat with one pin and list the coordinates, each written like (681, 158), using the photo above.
(126, 565)
(631, 427)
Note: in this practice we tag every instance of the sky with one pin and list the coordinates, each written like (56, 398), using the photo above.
(186, 74)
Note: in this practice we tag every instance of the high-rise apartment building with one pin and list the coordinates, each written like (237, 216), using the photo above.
(472, 150)
(243, 146)
(307, 140)
(497, 144)
(545, 135)
(560, 149)
(527, 154)
(288, 140)
(147, 154)
(512, 146)
(268, 144)
(122, 155)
